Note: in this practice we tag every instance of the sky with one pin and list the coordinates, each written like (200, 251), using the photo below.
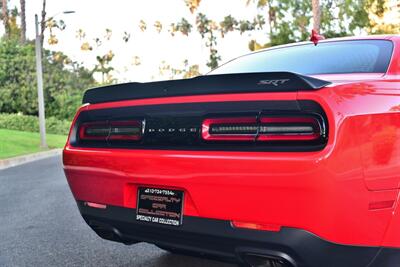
(94, 16)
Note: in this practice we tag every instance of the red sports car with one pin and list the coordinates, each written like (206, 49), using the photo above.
(289, 156)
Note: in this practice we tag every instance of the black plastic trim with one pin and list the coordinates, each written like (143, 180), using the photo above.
(297, 247)
(204, 85)
(192, 115)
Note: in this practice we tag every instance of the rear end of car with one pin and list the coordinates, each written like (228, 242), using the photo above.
(261, 168)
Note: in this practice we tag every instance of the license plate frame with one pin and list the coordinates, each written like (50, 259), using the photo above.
(160, 206)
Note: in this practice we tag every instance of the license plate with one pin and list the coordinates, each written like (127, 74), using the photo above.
(160, 206)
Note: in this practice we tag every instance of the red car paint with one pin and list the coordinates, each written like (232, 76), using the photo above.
(347, 193)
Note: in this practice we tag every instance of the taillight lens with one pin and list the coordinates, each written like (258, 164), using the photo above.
(265, 128)
(229, 129)
(115, 130)
(94, 131)
(289, 129)
(125, 130)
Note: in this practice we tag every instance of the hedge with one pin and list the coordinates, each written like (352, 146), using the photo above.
(29, 123)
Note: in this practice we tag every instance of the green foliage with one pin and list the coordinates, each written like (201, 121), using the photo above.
(64, 81)
(192, 4)
(187, 71)
(30, 123)
(378, 25)
(351, 16)
(182, 26)
(290, 20)
(207, 28)
(228, 24)
(104, 67)
(214, 59)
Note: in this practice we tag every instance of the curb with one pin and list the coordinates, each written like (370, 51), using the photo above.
(11, 162)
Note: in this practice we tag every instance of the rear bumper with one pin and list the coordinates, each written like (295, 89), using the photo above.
(321, 192)
(218, 238)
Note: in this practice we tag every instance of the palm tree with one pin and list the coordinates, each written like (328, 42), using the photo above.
(4, 16)
(43, 23)
(23, 22)
(316, 15)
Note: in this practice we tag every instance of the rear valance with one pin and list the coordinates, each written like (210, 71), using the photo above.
(204, 85)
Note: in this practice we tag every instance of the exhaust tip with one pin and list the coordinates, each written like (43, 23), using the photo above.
(257, 260)
(109, 232)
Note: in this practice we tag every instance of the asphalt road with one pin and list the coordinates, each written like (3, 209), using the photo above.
(40, 226)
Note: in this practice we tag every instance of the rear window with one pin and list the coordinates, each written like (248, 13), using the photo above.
(360, 56)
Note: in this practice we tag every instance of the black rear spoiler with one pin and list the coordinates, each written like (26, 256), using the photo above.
(204, 85)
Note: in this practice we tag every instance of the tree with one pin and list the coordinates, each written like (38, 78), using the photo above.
(4, 17)
(187, 71)
(207, 28)
(43, 22)
(290, 20)
(379, 11)
(64, 81)
(104, 67)
(316, 15)
(23, 22)
(104, 60)
(192, 5)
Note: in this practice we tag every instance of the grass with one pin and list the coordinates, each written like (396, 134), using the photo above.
(16, 143)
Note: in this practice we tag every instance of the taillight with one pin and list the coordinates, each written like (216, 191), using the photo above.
(115, 130)
(94, 131)
(265, 128)
(289, 129)
(229, 129)
(125, 130)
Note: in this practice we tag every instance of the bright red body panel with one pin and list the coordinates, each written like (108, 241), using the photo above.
(346, 193)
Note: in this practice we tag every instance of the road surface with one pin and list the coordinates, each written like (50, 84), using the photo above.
(40, 226)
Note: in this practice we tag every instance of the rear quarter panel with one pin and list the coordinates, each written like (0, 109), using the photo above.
(368, 113)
